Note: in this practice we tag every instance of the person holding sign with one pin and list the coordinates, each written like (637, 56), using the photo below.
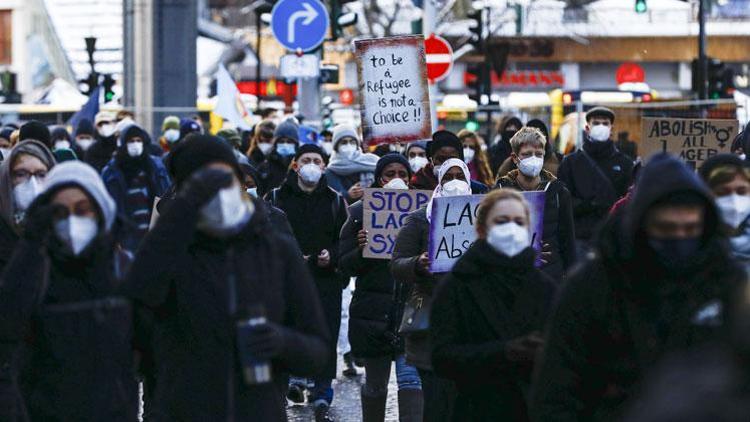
(661, 282)
(444, 145)
(728, 176)
(596, 176)
(489, 314)
(528, 146)
(376, 308)
(411, 264)
(350, 170)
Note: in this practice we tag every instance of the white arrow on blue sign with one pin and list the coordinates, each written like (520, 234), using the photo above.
(300, 24)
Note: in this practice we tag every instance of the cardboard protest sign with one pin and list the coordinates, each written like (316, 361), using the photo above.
(692, 140)
(452, 227)
(385, 211)
(394, 96)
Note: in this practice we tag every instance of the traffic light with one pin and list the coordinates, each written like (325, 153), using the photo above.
(473, 81)
(108, 83)
(720, 80)
(477, 30)
(641, 6)
(88, 85)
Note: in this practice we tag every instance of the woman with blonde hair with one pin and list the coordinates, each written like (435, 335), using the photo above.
(489, 313)
(475, 157)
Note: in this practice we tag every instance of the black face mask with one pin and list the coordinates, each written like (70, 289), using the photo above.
(675, 254)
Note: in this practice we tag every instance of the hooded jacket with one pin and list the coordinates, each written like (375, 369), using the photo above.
(119, 176)
(274, 170)
(77, 331)
(558, 231)
(596, 176)
(487, 300)
(622, 311)
(194, 326)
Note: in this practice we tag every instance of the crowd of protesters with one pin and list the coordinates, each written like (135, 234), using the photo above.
(196, 277)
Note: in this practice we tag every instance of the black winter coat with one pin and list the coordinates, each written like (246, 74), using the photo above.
(411, 242)
(375, 310)
(186, 278)
(623, 310)
(99, 154)
(487, 300)
(273, 172)
(558, 231)
(76, 334)
(596, 177)
(316, 219)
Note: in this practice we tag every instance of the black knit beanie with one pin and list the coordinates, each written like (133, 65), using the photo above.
(390, 158)
(308, 148)
(197, 150)
(35, 130)
(444, 138)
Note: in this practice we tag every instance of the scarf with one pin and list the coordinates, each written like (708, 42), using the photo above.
(358, 163)
(438, 192)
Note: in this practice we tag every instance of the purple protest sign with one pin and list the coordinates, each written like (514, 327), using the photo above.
(452, 228)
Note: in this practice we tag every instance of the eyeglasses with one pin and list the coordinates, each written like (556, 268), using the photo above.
(21, 176)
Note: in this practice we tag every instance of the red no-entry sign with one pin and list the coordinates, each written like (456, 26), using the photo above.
(439, 57)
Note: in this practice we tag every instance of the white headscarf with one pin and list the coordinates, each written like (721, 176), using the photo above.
(438, 192)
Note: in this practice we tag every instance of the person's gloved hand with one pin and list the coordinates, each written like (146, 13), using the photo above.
(264, 341)
(523, 349)
(39, 221)
(203, 185)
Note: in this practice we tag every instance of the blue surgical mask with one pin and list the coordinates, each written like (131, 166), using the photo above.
(286, 150)
(253, 192)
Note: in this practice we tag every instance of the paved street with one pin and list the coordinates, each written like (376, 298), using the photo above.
(346, 406)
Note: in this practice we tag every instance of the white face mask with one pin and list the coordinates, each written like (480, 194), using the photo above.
(347, 150)
(417, 163)
(468, 155)
(135, 149)
(734, 209)
(265, 147)
(5, 152)
(456, 188)
(77, 232)
(310, 174)
(106, 130)
(531, 167)
(508, 239)
(85, 143)
(436, 170)
(227, 213)
(397, 183)
(743, 157)
(600, 133)
(327, 147)
(25, 193)
(172, 135)
(253, 192)
(62, 144)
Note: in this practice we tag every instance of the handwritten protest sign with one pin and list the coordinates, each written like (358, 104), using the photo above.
(692, 140)
(394, 97)
(452, 228)
(385, 211)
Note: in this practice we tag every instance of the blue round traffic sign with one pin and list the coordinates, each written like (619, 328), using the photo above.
(300, 24)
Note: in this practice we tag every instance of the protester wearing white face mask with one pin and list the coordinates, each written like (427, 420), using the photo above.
(597, 175)
(21, 178)
(99, 154)
(416, 153)
(528, 146)
(213, 260)
(134, 179)
(65, 277)
(350, 170)
(373, 338)
(488, 316)
(316, 213)
(84, 137)
(729, 179)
